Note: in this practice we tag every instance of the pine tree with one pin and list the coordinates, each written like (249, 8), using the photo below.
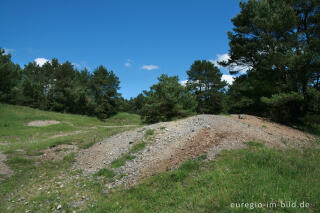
(104, 86)
(166, 100)
(204, 81)
(9, 78)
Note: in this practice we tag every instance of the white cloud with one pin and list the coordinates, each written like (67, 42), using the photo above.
(128, 63)
(149, 67)
(8, 51)
(41, 61)
(220, 57)
(183, 82)
(228, 78)
(234, 67)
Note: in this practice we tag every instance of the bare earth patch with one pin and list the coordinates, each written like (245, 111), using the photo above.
(174, 142)
(56, 153)
(43, 123)
(5, 171)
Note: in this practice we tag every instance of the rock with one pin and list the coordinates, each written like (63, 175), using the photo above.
(241, 116)
(59, 207)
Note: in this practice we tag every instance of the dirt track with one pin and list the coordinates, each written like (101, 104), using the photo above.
(176, 141)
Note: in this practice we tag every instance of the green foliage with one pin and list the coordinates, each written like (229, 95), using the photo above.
(123, 118)
(149, 132)
(9, 78)
(244, 95)
(204, 82)
(254, 144)
(104, 88)
(167, 100)
(59, 87)
(122, 160)
(285, 107)
(277, 42)
(136, 104)
(107, 173)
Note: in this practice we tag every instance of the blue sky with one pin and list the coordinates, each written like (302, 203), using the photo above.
(139, 40)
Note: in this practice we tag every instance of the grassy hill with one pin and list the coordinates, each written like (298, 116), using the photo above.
(256, 179)
(16, 134)
(254, 175)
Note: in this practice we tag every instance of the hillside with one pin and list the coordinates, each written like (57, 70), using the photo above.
(31, 132)
(53, 162)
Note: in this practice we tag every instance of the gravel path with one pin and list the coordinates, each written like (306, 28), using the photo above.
(176, 141)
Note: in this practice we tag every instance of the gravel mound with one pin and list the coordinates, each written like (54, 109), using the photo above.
(174, 142)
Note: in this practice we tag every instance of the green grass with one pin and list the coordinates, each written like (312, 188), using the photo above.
(137, 147)
(254, 175)
(37, 181)
(107, 173)
(17, 135)
(122, 160)
(124, 118)
(251, 175)
(254, 143)
(149, 132)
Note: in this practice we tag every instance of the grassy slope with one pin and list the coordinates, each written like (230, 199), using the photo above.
(30, 174)
(18, 135)
(256, 174)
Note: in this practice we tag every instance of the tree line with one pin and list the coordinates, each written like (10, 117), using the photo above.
(59, 87)
(274, 55)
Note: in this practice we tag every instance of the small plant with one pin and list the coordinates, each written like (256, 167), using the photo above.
(149, 132)
(108, 173)
(163, 127)
(184, 170)
(34, 153)
(69, 157)
(58, 150)
(284, 141)
(137, 147)
(120, 176)
(254, 144)
(264, 126)
(122, 160)
(202, 157)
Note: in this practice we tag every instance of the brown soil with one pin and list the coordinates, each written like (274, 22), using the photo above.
(274, 128)
(56, 153)
(189, 149)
